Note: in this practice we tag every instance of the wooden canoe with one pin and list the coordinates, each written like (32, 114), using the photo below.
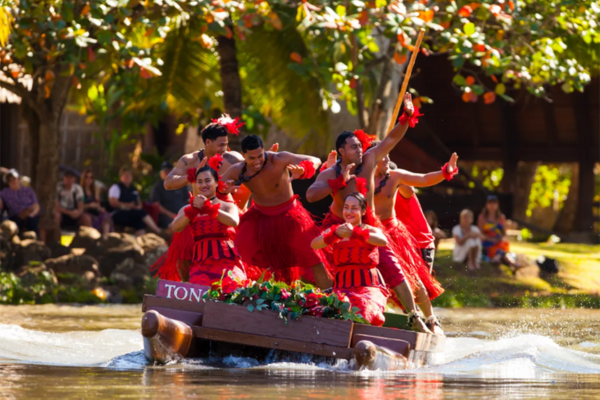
(178, 324)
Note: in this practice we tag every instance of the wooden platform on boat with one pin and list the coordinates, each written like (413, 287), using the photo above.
(177, 323)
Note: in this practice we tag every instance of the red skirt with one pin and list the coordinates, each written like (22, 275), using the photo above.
(369, 300)
(180, 248)
(278, 238)
(413, 265)
(211, 270)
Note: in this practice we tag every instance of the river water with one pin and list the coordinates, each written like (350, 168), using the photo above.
(91, 352)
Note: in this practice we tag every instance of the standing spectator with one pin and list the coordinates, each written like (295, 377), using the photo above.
(432, 221)
(20, 202)
(68, 209)
(467, 237)
(93, 213)
(124, 197)
(169, 202)
(491, 223)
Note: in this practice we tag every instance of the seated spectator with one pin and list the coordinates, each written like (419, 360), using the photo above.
(491, 223)
(68, 209)
(93, 213)
(467, 238)
(20, 202)
(124, 197)
(432, 220)
(169, 202)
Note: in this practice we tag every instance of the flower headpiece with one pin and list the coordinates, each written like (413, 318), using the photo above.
(215, 162)
(233, 125)
(364, 139)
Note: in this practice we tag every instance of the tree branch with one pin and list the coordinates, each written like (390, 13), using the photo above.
(20, 90)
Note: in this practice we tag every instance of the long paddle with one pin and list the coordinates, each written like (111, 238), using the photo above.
(411, 64)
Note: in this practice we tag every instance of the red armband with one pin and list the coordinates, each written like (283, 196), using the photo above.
(309, 169)
(331, 237)
(447, 174)
(337, 184)
(191, 175)
(191, 212)
(211, 209)
(412, 120)
(361, 186)
(360, 234)
(323, 167)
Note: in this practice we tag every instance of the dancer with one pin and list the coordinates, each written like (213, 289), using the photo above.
(416, 270)
(212, 222)
(356, 257)
(276, 232)
(178, 257)
(354, 172)
(406, 207)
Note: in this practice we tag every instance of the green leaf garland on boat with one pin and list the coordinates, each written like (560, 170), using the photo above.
(288, 301)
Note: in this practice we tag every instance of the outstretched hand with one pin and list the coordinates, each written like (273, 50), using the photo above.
(202, 163)
(331, 158)
(296, 171)
(346, 173)
(452, 162)
(230, 187)
(274, 148)
(409, 107)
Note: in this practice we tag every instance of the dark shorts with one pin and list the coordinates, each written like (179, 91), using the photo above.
(67, 222)
(130, 218)
(27, 224)
(428, 256)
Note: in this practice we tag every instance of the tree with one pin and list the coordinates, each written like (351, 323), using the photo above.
(524, 44)
(56, 45)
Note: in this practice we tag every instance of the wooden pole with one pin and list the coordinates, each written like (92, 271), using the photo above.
(409, 69)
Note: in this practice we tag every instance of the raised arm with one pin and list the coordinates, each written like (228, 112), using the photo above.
(180, 221)
(288, 158)
(320, 188)
(395, 135)
(177, 178)
(424, 180)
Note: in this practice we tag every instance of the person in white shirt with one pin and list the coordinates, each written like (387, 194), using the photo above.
(68, 208)
(467, 237)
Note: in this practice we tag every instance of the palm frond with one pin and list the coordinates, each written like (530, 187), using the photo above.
(290, 100)
(190, 74)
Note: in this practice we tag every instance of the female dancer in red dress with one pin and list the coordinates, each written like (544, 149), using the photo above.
(212, 223)
(356, 258)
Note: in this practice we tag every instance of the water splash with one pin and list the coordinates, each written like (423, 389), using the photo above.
(524, 356)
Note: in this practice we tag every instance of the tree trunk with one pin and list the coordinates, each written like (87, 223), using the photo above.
(50, 112)
(385, 91)
(230, 82)
(33, 128)
(524, 179)
(566, 218)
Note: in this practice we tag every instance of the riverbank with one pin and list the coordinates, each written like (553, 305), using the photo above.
(577, 284)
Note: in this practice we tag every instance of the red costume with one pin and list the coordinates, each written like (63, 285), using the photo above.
(410, 213)
(357, 276)
(215, 253)
(413, 265)
(279, 238)
(389, 264)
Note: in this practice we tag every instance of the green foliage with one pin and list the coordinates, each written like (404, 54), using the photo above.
(551, 182)
(288, 301)
(490, 178)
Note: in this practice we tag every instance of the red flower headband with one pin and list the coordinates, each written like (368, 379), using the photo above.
(215, 162)
(364, 139)
(233, 125)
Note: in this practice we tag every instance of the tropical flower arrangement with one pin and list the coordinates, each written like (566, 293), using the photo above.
(288, 301)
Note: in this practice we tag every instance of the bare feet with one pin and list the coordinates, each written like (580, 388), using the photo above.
(434, 325)
(416, 323)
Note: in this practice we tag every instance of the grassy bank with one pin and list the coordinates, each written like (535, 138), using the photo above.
(576, 285)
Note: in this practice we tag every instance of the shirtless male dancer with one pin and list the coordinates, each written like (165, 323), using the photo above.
(276, 232)
(340, 180)
(387, 183)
